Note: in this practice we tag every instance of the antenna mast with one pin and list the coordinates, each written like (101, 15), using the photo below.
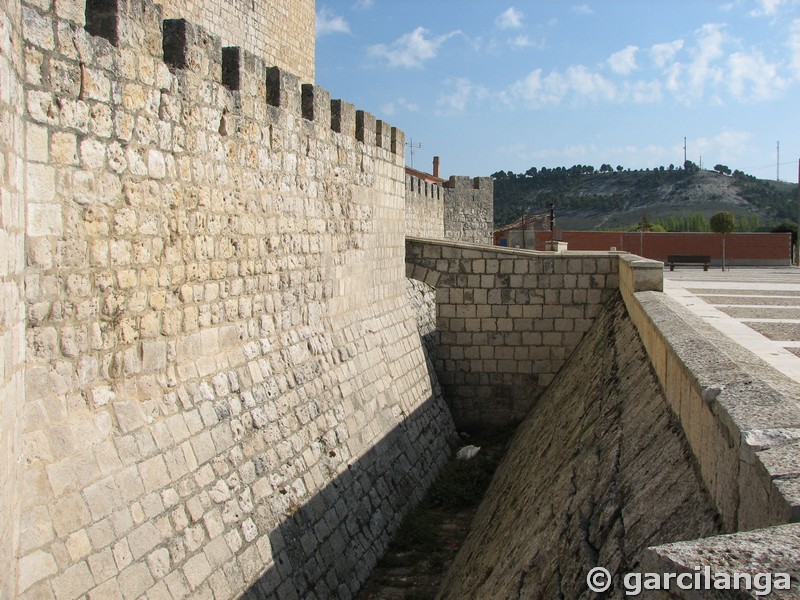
(411, 145)
(778, 162)
(684, 150)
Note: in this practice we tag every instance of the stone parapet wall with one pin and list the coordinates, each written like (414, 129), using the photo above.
(598, 471)
(739, 414)
(469, 210)
(226, 389)
(281, 32)
(507, 320)
(425, 203)
(740, 417)
(12, 295)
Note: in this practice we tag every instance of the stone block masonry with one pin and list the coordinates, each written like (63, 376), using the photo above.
(226, 390)
(598, 471)
(12, 295)
(507, 321)
(458, 210)
(424, 208)
(469, 210)
(281, 32)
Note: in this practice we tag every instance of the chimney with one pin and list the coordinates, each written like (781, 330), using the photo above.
(436, 166)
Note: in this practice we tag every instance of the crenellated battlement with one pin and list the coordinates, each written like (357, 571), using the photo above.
(112, 43)
(425, 189)
(458, 182)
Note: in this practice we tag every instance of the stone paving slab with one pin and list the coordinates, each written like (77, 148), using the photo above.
(747, 299)
(765, 314)
(757, 308)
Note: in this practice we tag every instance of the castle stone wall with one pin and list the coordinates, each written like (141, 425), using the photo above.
(507, 321)
(425, 211)
(469, 210)
(226, 389)
(12, 264)
(460, 210)
(599, 470)
(281, 32)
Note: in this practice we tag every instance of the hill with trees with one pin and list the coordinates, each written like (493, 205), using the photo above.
(612, 197)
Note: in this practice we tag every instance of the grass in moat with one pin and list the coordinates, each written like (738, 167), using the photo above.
(431, 534)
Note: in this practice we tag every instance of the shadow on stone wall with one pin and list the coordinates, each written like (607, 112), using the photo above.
(327, 547)
(598, 471)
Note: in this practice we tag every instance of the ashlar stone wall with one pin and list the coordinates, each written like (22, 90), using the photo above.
(12, 308)
(424, 208)
(599, 470)
(226, 390)
(507, 321)
(459, 210)
(469, 210)
(281, 32)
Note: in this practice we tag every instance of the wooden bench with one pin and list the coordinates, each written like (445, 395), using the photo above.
(687, 259)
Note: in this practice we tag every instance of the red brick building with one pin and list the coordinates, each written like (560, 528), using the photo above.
(740, 248)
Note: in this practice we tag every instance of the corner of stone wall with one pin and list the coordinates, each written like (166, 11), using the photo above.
(768, 554)
(469, 209)
(740, 416)
(12, 291)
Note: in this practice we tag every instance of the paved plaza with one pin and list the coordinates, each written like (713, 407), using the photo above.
(757, 307)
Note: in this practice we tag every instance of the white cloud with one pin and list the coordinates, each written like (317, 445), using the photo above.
(463, 92)
(721, 147)
(624, 61)
(661, 54)
(711, 68)
(794, 47)
(523, 41)
(704, 68)
(568, 152)
(754, 72)
(410, 50)
(577, 84)
(392, 108)
(769, 8)
(643, 92)
(511, 18)
(582, 9)
(363, 4)
(329, 22)
(672, 77)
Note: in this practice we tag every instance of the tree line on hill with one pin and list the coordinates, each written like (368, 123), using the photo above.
(585, 189)
(558, 173)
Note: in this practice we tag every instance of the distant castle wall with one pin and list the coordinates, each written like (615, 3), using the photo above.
(226, 389)
(459, 210)
(469, 210)
(424, 208)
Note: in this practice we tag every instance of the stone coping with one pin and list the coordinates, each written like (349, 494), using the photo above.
(740, 415)
(517, 251)
(767, 551)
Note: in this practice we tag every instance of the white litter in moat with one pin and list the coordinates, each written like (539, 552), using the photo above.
(467, 452)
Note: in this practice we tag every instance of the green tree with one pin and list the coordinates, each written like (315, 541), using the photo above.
(722, 169)
(723, 222)
(787, 226)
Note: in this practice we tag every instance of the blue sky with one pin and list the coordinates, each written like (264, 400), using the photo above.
(491, 85)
